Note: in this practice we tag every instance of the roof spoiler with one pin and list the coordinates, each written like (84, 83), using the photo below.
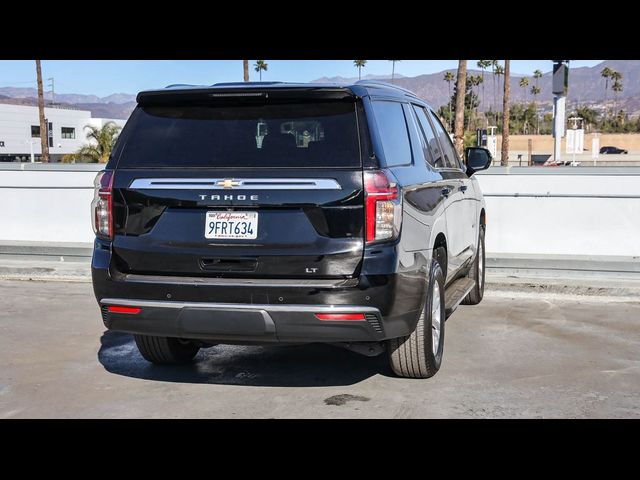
(245, 94)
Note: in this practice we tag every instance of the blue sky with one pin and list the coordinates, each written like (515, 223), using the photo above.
(104, 77)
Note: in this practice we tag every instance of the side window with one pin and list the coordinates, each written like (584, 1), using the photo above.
(433, 153)
(393, 132)
(418, 144)
(449, 153)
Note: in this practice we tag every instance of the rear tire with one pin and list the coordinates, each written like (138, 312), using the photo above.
(477, 273)
(166, 350)
(419, 355)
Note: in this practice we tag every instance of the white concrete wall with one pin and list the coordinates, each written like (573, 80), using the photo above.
(565, 211)
(47, 205)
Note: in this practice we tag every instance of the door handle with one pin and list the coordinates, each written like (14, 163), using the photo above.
(446, 191)
(463, 188)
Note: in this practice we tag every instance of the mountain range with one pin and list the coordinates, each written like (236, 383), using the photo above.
(586, 86)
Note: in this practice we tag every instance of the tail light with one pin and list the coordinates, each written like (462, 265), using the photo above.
(122, 309)
(102, 205)
(340, 316)
(383, 211)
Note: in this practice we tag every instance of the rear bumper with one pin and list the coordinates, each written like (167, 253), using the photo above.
(391, 288)
(230, 322)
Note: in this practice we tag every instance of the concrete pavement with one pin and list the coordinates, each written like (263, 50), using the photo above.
(517, 354)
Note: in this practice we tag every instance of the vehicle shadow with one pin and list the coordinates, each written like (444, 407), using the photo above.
(278, 366)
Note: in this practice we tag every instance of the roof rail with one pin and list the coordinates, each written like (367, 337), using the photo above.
(230, 84)
(385, 84)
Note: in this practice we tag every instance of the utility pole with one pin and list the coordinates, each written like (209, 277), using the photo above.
(53, 93)
(44, 135)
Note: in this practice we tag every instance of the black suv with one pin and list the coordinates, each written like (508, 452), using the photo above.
(279, 213)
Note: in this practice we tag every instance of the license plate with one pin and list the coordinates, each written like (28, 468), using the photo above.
(240, 225)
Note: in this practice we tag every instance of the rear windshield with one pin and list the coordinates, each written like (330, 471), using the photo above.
(322, 134)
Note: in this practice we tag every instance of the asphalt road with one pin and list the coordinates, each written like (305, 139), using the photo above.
(531, 355)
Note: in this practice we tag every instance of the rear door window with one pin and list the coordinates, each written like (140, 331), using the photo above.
(431, 147)
(448, 152)
(393, 131)
(296, 135)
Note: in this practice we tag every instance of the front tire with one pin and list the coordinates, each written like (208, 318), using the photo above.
(419, 355)
(477, 273)
(166, 350)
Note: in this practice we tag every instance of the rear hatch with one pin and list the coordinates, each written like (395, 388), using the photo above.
(244, 185)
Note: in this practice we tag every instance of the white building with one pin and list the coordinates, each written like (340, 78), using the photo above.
(20, 131)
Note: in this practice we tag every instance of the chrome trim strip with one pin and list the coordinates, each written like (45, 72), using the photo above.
(241, 306)
(240, 282)
(238, 184)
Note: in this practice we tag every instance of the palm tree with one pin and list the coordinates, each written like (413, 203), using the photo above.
(499, 71)
(259, 66)
(101, 142)
(448, 77)
(535, 90)
(245, 67)
(524, 83)
(537, 75)
(44, 137)
(606, 74)
(617, 88)
(504, 160)
(482, 65)
(474, 81)
(360, 64)
(393, 69)
(461, 89)
(494, 64)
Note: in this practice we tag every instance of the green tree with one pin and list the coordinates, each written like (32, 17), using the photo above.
(360, 64)
(589, 116)
(470, 102)
(260, 66)
(449, 77)
(393, 69)
(101, 143)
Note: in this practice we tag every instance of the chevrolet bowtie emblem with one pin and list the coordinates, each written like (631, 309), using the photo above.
(228, 183)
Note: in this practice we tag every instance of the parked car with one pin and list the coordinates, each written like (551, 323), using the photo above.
(610, 149)
(279, 213)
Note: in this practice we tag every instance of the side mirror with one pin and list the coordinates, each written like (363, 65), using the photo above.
(478, 158)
